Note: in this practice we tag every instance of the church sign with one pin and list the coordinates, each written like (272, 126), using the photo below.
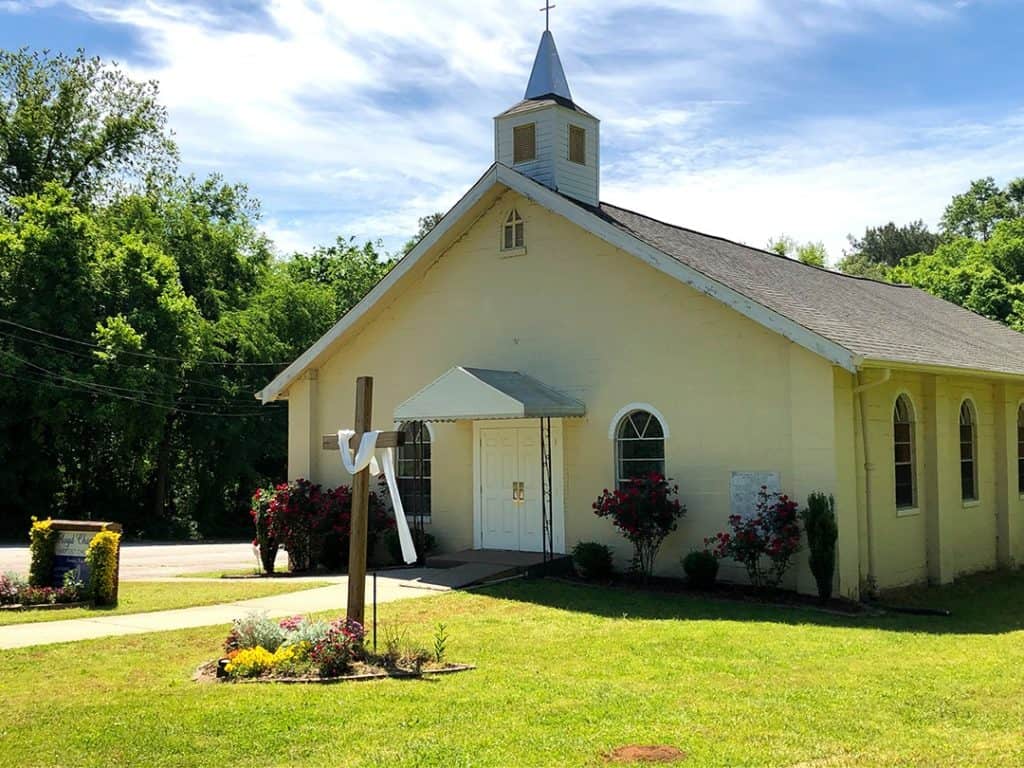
(73, 538)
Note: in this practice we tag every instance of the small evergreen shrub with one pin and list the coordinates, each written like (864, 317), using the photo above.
(701, 568)
(592, 560)
(102, 559)
(822, 532)
(43, 550)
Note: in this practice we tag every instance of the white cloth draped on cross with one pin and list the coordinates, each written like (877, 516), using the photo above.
(364, 457)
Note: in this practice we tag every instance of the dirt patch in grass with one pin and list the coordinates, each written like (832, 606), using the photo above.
(636, 753)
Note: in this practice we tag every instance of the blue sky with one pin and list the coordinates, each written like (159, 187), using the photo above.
(744, 118)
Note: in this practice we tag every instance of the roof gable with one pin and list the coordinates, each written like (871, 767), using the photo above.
(499, 177)
(844, 319)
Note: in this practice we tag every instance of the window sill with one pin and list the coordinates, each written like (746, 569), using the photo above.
(907, 512)
(968, 503)
(510, 253)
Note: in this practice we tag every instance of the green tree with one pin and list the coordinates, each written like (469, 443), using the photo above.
(976, 212)
(426, 223)
(982, 276)
(350, 269)
(78, 122)
(886, 246)
(812, 253)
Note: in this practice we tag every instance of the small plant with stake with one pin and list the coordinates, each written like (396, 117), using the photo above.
(440, 642)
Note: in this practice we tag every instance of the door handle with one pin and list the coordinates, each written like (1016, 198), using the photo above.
(518, 492)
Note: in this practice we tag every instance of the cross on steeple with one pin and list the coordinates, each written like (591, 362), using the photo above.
(547, 14)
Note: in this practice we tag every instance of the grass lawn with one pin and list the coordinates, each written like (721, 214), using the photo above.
(143, 596)
(565, 674)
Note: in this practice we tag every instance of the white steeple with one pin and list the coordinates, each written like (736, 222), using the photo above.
(547, 136)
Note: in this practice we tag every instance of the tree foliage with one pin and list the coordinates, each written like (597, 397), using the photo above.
(426, 223)
(812, 253)
(886, 246)
(78, 122)
(139, 312)
(976, 213)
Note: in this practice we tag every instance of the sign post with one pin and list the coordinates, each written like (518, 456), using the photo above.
(361, 499)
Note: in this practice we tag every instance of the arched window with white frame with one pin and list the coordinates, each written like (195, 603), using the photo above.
(414, 469)
(639, 446)
(514, 232)
(968, 452)
(904, 453)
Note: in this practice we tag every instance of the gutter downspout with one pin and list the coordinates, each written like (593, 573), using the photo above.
(859, 390)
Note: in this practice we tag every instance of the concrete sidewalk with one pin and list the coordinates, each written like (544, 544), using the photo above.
(395, 585)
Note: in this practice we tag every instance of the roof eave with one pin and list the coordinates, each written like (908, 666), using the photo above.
(283, 380)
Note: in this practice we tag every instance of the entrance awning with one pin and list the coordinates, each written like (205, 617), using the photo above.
(478, 393)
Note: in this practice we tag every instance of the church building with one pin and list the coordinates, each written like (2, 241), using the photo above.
(539, 346)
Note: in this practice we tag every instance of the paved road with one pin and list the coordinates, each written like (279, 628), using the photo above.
(154, 561)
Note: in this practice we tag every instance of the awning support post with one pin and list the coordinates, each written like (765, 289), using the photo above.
(546, 495)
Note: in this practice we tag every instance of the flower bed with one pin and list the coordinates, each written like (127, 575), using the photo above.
(300, 649)
(16, 594)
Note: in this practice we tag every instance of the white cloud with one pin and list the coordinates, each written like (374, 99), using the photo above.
(357, 118)
(821, 180)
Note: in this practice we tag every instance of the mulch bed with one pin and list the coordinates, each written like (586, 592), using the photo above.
(745, 593)
(44, 606)
(207, 673)
(636, 753)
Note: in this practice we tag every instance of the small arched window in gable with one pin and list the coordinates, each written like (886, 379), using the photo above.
(903, 450)
(514, 232)
(639, 446)
(968, 452)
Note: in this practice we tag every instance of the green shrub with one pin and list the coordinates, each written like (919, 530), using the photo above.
(260, 513)
(255, 630)
(592, 560)
(701, 568)
(102, 557)
(43, 549)
(425, 544)
(822, 532)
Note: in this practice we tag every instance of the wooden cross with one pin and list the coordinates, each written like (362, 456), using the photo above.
(547, 14)
(361, 497)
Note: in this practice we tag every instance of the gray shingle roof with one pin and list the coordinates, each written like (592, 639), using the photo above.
(878, 321)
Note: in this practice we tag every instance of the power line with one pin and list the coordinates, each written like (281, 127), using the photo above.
(146, 355)
(93, 359)
(193, 399)
(161, 406)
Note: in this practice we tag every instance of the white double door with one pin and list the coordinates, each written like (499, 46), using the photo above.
(510, 492)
